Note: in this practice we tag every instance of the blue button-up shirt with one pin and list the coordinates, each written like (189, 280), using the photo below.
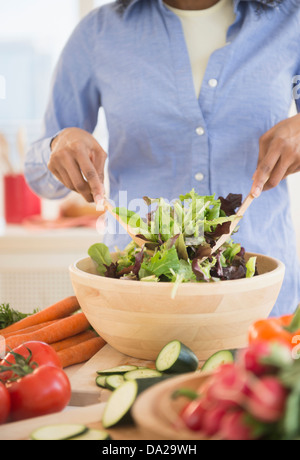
(162, 140)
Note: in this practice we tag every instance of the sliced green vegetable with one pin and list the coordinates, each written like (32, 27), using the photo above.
(93, 435)
(114, 381)
(218, 359)
(118, 407)
(117, 370)
(101, 381)
(142, 374)
(60, 432)
(175, 357)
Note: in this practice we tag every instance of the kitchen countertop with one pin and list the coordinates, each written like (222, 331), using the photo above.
(19, 239)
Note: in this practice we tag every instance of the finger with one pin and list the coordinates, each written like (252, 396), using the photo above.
(62, 177)
(278, 173)
(292, 169)
(264, 169)
(99, 162)
(94, 179)
(65, 179)
(79, 184)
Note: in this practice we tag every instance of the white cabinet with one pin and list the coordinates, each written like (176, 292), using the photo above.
(34, 264)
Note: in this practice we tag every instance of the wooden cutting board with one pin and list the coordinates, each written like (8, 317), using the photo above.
(84, 388)
(90, 416)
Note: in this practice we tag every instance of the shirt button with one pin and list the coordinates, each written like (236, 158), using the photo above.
(213, 83)
(200, 131)
(199, 177)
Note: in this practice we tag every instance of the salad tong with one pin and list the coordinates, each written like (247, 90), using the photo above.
(105, 205)
(239, 214)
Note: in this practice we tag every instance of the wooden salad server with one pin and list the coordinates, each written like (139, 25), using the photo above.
(239, 214)
(106, 205)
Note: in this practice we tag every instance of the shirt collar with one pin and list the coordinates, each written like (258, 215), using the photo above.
(128, 4)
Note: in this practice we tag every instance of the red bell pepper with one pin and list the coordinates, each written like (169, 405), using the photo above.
(283, 329)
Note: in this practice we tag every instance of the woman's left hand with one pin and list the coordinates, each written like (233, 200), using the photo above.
(279, 155)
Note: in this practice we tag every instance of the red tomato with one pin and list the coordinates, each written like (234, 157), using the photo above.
(42, 354)
(47, 390)
(4, 403)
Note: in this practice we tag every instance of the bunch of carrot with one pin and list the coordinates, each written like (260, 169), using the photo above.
(63, 326)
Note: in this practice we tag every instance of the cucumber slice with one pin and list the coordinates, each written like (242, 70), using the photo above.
(62, 432)
(217, 360)
(114, 381)
(118, 407)
(93, 435)
(142, 374)
(117, 370)
(101, 381)
(145, 383)
(176, 358)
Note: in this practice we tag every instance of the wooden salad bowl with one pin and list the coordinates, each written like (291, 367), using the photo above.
(138, 318)
(157, 413)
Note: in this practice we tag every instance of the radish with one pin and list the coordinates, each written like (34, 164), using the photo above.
(251, 358)
(193, 413)
(228, 386)
(212, 419)
(267, 400)
(234, 428)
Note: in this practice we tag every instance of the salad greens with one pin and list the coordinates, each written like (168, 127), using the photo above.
(177, 236)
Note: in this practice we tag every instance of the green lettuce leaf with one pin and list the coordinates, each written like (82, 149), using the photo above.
(251, 267)
(161, 264)
(99, 252)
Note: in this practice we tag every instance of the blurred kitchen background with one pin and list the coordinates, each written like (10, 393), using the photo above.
(34, 259)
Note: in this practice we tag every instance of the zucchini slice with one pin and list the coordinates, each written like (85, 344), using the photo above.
(117, 370)
(218, 359)
(62, 432)
(142, 374)
(101, 381)
(93, 435)
(176, 358)
(114, 381)
(118, 407)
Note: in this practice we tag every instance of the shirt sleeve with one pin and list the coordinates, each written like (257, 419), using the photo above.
(74, 102)
(296, 90)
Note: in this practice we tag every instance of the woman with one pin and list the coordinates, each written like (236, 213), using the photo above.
(196, 94)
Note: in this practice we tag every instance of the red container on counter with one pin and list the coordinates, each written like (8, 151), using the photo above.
(19, 200)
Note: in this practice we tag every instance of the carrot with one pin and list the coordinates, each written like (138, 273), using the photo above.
(74, 340)
(28, 329)
(81, 352)
(63, 328)
(58, 310)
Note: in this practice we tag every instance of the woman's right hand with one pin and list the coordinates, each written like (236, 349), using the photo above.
(77, 160)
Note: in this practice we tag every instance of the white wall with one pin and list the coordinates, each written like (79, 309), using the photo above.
(84, 6)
